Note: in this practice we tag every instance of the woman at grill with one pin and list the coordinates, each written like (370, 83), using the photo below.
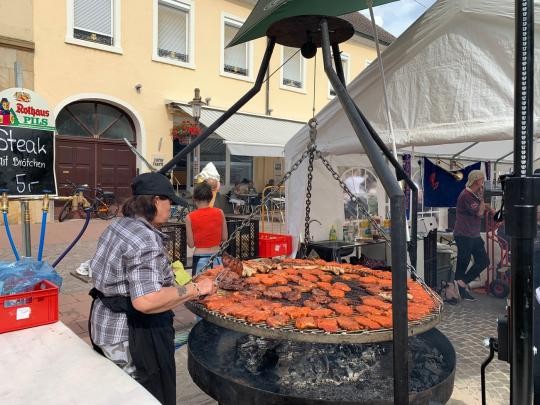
(206, 228)
(131, 317)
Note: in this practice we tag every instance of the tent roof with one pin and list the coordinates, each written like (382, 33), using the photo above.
(248, 134)
(450, 79)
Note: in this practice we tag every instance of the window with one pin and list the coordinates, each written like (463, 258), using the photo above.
(236, 60)
(94, 24)
(293, 70)
(89, 119)
(173, 32)
(345, 64)
(241, 168)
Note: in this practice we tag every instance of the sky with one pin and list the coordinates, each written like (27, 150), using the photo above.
(396, 17)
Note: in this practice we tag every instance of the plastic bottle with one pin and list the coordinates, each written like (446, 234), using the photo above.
(333, 233)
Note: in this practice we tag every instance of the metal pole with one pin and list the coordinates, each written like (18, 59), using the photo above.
(25, 209)
(227, 114)
(521, 210)
(398, 232)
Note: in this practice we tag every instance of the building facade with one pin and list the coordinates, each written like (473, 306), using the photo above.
(113, 69)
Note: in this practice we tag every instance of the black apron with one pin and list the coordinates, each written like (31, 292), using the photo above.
(151, 345)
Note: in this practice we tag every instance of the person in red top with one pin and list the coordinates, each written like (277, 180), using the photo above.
(470, 209)
(206, 228)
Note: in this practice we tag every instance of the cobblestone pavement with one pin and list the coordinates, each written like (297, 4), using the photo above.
(465, 324)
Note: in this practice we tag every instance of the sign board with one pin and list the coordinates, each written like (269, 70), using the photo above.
(26, 144)
(158, 161)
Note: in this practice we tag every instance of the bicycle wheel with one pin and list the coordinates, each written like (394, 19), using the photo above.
(66, 212)
(107, 209)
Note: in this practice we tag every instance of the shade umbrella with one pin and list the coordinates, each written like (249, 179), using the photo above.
(267, 12)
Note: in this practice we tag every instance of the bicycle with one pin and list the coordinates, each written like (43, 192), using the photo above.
(104, 204)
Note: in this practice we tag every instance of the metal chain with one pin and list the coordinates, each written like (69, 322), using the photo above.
(307, 236)
(246, 222)
(353, 198)
(312, 123)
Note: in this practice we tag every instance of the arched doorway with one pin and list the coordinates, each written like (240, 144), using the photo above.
(90, 147)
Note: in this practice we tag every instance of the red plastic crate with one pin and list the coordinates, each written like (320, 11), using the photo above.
(272, 244)
(29, 309)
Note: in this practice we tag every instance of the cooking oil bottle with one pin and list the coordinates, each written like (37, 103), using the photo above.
(333, 233)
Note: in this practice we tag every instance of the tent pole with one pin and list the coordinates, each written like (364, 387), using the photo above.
(521, 197)
(227, 114)
(398, 226)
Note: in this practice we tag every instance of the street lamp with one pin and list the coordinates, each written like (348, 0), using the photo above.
(196, 105)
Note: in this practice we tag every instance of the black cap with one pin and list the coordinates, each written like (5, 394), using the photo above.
(155, 184)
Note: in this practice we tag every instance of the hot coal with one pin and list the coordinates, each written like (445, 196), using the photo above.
(344, 372)
(236, 368)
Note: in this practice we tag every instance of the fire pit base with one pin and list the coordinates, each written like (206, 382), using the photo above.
(226, 365)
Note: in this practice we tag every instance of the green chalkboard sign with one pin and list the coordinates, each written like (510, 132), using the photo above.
(26, 144)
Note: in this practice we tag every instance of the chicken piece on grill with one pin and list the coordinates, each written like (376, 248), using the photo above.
(293, 277)
(282, 288)
(321, 299)
(294, 295)
(217, 304)
(270, 293)
(328, 324)
(348, 323)
(318, 291)
(312, 304)
(270, 306)
(376, 302)
(384, 321)
(367, 310)
(305, 322)
(349, 277)
(341, 309)
(310, 277)
(367, 323)
(325, 277)
(324, 285)
(277, 321)
(270, 280)
(259, 316)
(232, 263)
(253, 280)
(307, 285)
(231, 281)
(341, 286)
(335, 293)
(321, 312)
(298, 312)
(233, 309)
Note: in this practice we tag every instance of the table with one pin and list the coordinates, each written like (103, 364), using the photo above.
(334, 250)
(51, 365)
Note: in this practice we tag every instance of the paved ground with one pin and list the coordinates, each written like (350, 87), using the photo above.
(465, 324)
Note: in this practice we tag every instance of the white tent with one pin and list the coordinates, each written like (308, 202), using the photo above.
(450, 83)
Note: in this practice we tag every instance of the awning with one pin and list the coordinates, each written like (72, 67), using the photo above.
(248, 134)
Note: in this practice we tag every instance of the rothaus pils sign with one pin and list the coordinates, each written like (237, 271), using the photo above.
(26, 144)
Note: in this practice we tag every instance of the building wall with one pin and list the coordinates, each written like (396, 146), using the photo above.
(68, 72)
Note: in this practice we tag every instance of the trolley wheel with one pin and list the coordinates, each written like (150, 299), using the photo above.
(107, 209)
(66, 211)
(499, 288)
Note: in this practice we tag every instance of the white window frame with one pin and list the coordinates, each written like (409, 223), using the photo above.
(237, 22)
(70, 39)
(184, 5)
(346, 72)
(303, 67)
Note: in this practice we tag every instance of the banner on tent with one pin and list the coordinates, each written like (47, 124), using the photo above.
(441, 189)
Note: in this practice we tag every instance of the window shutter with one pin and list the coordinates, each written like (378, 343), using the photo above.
(93, 16)
(236, 56)
(292, 70)
(173, 29)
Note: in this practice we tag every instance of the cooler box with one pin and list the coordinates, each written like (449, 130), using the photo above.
(29, 309)
(271, 245)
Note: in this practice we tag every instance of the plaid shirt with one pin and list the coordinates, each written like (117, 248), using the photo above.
(130, 260)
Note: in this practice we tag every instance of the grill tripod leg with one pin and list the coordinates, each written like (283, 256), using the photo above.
(492, 349)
